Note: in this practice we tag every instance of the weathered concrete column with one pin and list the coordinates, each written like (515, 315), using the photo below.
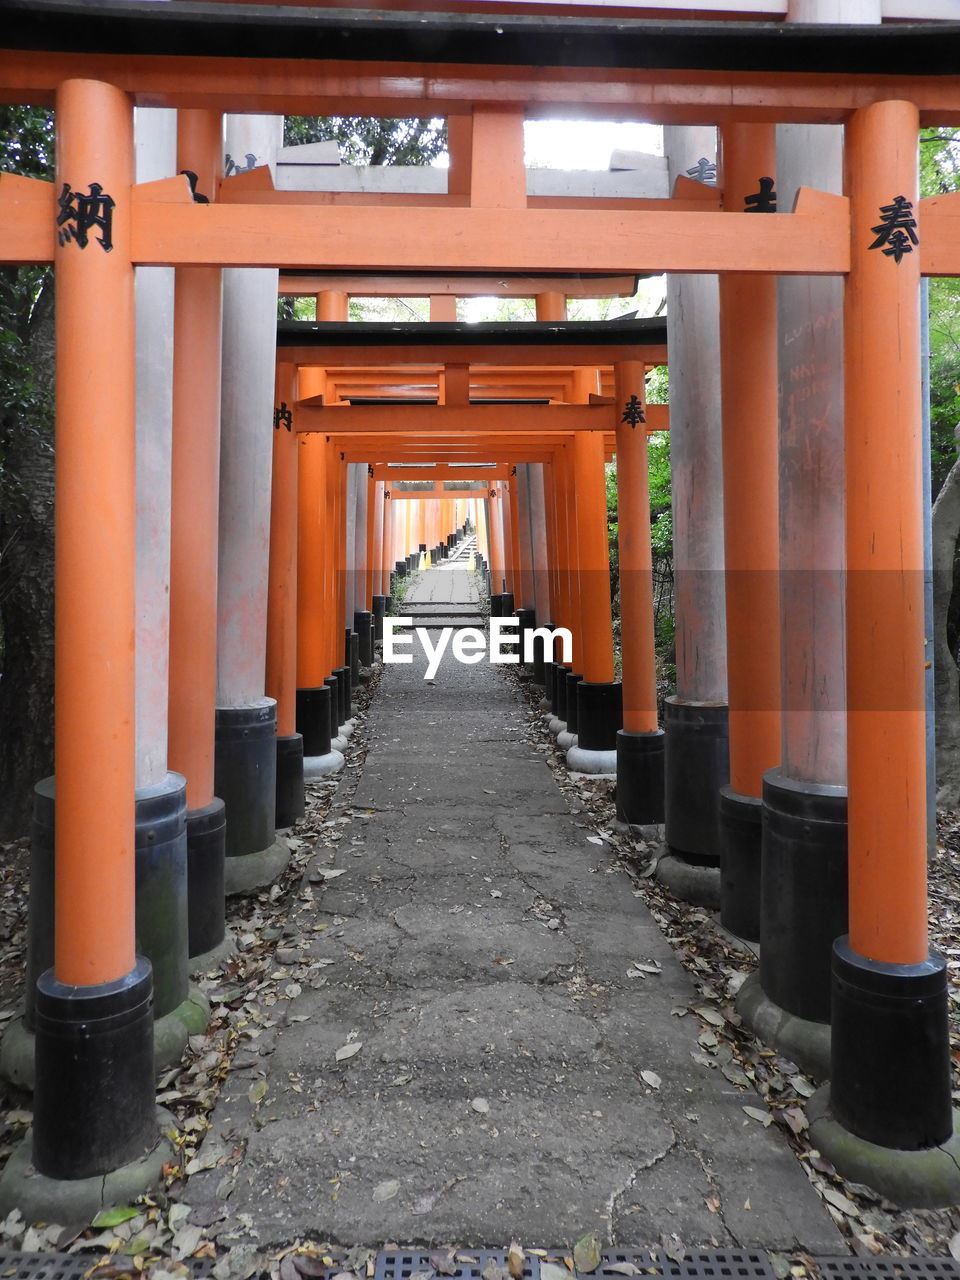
(538, 538)
(379, 589)
(94, 1098)
(886, 1117)
(804, 863)
(696, 761)
(246, 718)
(161, 822)
(748, 378)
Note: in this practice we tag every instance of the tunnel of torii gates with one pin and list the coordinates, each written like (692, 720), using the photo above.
(197, 628)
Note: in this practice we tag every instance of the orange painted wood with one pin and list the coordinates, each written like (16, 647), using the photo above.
(412, 286)
(748, 377)
(195, 486)
(884, 548)
(281, 656)
(95, 518)
(313, 658)
(28, 217)
(636, 563)
(526, 358)
(498, 179)
(313, 87)
(593, 558)
(472, 419)
(489, 238)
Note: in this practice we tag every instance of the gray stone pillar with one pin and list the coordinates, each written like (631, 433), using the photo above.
(246, 719)
(804, 858)
(695, 721)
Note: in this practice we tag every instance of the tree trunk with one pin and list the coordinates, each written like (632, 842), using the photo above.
(26, 561)
(946, 529)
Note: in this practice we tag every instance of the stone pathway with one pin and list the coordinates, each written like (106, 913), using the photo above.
(474, 1062)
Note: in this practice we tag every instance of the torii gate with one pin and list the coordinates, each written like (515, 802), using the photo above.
(890, 1078)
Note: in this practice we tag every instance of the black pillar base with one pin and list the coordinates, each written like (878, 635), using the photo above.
(599, 715)
(363, 626)
(696, 763)
(206, 902)
(740, 833)
(506, 604)
(573, 679)
(333, 716)
(354, 662)
(528, 620)
(290, 797)
(245, 774)
(346, 706)
(803, 892)
(423, 546)
(162, 888)
(162, 925)
(400, 570)
(542, 651)
(559, 703)
(94, 1106)
(496, 606)
(639, 792)
(549, 668)
(313, 719)
(379, 609)
(387, 608)
(890, 1050)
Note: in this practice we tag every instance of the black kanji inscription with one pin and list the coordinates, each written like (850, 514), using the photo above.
(704, 171)
(282, 417)
(230, 166)
(192, 178)
(80, 214)
(633, 412)
(896, 231)
(762, 201)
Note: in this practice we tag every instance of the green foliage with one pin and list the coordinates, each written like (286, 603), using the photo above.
(940, 173)
(26, 141)
(367, 140)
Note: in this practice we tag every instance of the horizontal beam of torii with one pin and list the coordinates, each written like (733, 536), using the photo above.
(266, 58)
(472, 420)
(169, 229)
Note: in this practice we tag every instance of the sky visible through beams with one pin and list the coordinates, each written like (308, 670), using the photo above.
(555, 144)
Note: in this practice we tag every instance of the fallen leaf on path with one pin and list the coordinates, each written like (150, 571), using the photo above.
(840, 1201)
(386, 1190)
(551, 1271)
(586, 1252)
(481, 1105)
(651, 1078)
(515, 1259)
(764, 1117)
(348, 1050)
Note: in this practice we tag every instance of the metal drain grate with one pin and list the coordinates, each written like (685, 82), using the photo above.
(401, 1264)
(698, 1264)
(918, 1268)
(73, 1266)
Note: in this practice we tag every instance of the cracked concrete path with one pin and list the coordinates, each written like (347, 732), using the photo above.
(476, 948)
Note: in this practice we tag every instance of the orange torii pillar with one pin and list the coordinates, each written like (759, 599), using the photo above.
(281, 654)
(696, 754)
(804, 874)
(246, 751)
(338, 478)
(568, 672)
(509, 548)
(599, 695)
(94, 1109)
(640, 741)
(525, 602)
(886, 1117)
(379, 590)
(748, 378)
(195, 499)
(552, 659)
(494, 507)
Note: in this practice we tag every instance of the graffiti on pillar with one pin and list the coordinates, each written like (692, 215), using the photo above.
(282, 417)
(897, 230)
(80, 214)
(704, 171)
(192, 178)
(633, 412)
(230, 166)
(762, 201)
